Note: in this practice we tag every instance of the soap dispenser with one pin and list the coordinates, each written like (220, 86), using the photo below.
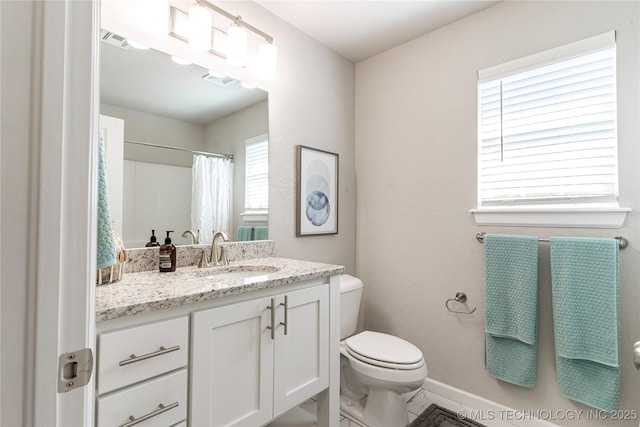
(152, 240)
(167, 261)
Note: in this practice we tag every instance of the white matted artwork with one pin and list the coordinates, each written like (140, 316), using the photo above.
(317, 182)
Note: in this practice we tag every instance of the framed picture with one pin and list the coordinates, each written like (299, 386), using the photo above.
(317, 184)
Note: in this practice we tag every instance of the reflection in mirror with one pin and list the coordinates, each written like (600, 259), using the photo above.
(160, 115)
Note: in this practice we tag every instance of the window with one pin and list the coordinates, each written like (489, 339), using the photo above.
(256, 184)
(547, 129)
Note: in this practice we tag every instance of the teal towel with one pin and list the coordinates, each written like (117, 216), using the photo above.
(245, 233)
(106, 253)
(586, 319)
(511, 304)
(260, 232)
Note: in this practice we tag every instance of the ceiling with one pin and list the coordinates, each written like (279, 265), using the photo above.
(148, 81)
(359, 29)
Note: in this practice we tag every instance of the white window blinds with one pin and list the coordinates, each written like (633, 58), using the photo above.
(547, 127)
(256, 190)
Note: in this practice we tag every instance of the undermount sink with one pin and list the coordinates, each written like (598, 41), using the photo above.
(236, 272)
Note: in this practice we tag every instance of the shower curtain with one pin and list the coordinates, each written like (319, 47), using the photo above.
(211, 196)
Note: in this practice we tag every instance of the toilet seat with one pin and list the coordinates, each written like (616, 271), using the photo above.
(387, 376)
(384, 351)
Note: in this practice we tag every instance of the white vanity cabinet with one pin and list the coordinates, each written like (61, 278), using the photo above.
(141, 374)
(253, 360)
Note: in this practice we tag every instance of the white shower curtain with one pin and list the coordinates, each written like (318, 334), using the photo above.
(210, 196)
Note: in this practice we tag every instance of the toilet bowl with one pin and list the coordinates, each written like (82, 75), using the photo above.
(375, 368)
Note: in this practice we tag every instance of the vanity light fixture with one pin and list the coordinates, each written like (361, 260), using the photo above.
(237, 46)
(268, 57)
(230, 43)
(199, 28)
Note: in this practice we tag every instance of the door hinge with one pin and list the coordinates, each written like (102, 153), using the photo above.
(74, 369)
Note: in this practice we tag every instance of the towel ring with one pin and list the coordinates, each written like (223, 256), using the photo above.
(460, 297)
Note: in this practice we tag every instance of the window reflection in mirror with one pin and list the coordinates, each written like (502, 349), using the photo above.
(160, 102)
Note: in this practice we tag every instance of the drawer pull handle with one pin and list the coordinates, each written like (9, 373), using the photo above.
(161, 409)
(133, 358)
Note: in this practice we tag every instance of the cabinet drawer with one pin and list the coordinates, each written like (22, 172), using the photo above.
(144, 400)
(116, 367)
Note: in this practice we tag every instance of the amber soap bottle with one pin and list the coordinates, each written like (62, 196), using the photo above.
(152, 240)
(167, 260)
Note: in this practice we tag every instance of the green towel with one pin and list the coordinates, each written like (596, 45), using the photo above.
(586, 319)
(260, 232)
(511, 304)
(106, 251)
(245, 233)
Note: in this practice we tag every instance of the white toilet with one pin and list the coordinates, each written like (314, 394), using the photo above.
(375, 368)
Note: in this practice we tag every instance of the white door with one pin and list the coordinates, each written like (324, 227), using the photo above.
(232, 365)
(65, 92)
(302, 354)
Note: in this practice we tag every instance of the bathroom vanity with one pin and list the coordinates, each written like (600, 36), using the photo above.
(222, 346)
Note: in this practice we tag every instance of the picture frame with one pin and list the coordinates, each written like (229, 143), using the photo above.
(317, 192)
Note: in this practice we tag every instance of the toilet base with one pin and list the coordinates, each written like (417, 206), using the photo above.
(353, 408)
(381, 408)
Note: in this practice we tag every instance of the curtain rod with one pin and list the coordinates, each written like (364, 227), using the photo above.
(621, 240)
(202, 153)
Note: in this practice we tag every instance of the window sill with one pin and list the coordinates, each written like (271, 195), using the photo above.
(581, 217)
(258, 216)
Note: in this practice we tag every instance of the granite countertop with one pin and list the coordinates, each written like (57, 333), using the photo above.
(151, 290)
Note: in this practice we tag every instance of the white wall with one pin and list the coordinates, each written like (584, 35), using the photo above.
(146, 127)
(416, 171)
(156, 197)
(311, 102)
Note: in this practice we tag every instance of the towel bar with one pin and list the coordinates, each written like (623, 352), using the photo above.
(621, 240)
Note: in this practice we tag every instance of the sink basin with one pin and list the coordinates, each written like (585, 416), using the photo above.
(236, 272)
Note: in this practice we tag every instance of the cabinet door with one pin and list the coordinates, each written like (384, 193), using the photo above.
(232, 365)
(302, 355)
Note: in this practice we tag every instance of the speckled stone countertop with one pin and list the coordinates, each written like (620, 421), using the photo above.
(151, 290)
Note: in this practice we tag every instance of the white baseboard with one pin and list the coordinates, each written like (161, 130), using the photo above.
(485, 411)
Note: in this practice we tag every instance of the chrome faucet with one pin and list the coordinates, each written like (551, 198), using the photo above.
(218, 257)
(194, 237)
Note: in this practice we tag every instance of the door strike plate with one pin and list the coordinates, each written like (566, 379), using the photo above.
(74, 369)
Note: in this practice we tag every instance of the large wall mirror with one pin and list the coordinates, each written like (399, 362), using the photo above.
(150, 103)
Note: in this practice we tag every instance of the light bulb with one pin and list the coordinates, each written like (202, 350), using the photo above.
(267, 60)
(237, 46)
(199, 28)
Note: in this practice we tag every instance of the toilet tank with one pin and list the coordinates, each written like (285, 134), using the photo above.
(350, 294)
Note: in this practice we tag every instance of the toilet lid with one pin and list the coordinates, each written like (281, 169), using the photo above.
(384, 350)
